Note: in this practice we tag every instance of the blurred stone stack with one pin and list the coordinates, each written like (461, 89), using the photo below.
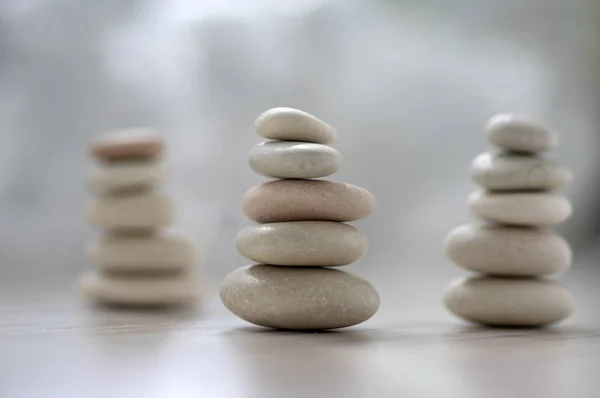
(138, 262)
(513, 251)
(301, 231)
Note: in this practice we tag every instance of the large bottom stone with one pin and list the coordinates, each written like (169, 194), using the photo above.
(524, 302)
(298, 298)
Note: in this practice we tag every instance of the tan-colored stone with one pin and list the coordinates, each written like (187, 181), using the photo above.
(510, 251)
(132, 143)
(162, 251)
(522, 209)
(519, 134)
(109, 177)
(141, 291)
(139, 211)
(292, 159)
(290, 124)
(307, 200)
(302, 243)
(298, 299)
(509, 301)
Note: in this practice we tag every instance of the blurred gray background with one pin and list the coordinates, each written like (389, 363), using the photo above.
(408, 84)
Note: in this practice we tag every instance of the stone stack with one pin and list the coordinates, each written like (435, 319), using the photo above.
(513, 251)
(301, 232)
(138, 262)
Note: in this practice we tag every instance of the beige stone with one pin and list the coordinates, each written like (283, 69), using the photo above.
(162, 251)
(512, 251)
(519, 134)
(509, 301)
(514, 172)
(292, 159)
(141, 291)
(307, 200)
(129, 143)
(298, 299)
(302, 243)
(107, 177)
(290, 124)
(523, 209)
(138, 211)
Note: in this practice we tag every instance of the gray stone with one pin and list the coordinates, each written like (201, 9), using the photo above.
(297, 298)
(513, 172)
(302, 243)
(292, 159)
(290, 124)
(509, 301)
(519, 134)
(125, 175)
(509, 251)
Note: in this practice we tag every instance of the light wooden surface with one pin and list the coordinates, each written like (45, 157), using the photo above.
(54, 345)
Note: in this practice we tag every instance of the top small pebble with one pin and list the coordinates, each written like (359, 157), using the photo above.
(289, 124)
(124, 144)
(517, 134)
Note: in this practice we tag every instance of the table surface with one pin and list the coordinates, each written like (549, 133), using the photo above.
(53, 344)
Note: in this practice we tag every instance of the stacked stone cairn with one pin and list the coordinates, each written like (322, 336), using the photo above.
(301, 232)
(138, 262)
(513, 251)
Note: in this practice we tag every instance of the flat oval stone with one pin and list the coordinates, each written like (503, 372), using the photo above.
(298, 299)
(109, 177)
(302, 243)
(141, 291)
(132, 143)
(518, 134)
(290, 124)
(513, 172)
(509, 251)
(509, 301)
(522, 209)
(292, 159)
(138, 211)
(307, 200)
(162, 251)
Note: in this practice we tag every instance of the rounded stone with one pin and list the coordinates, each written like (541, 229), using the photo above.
(143, 253)
(292, 159)
(141, 291)
(302, 243)
(290, 124)
(513, 172)
(307, 200)
(108, 177)
(519, 134)
(132, 143)
(298, 299)
(521, 209)
(509, 251)
(137, 211)
(525, 302)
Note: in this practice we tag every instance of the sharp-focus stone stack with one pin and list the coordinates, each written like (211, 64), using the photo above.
(137, 262)
(513, 251)
(301, 232)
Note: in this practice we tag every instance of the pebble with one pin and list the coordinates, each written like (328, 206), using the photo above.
(306, 200)
(290, 159)
(518, 134)
(132, 143)
(302, 243)
(513, 172)
(522, 209)
(141, 291)
(139, 211)
(509, 251)
(108, 177)
(162, 251)
(298, 299)
(290, 124)
(509, 301)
